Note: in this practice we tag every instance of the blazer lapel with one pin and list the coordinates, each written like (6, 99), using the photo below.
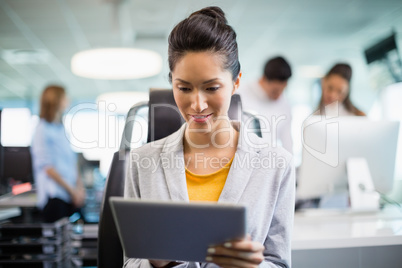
(173, 166)
(238, 177)
(240, 171)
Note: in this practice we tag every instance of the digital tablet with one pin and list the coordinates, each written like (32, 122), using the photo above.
(172, 230)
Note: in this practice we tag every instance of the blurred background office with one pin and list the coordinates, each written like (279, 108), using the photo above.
(43, 41)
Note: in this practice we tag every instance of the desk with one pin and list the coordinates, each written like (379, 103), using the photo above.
(347, 239)
(6, 213)
(25, 203)
(27, 199)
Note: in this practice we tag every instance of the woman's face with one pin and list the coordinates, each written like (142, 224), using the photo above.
(334, 88)
(63, 104)
(202, 89)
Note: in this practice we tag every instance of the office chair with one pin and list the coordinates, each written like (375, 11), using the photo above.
(164, 118)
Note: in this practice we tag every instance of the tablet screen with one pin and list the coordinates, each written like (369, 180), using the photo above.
(171, 230)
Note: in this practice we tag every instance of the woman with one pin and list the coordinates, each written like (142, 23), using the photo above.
(336, 88)
(212, 159)
(60, 190)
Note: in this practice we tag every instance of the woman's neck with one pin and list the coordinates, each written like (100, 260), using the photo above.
(221, 138)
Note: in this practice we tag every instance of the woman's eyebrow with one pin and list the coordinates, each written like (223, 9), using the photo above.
(205, 82)
(182, 81)
(209, 81)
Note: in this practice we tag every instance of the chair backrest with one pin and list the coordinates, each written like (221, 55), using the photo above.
(164, 118)
(110, 252)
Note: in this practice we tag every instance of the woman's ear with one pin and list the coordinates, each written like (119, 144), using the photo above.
(237, 83)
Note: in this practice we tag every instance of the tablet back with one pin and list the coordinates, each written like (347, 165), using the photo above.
(181, 231)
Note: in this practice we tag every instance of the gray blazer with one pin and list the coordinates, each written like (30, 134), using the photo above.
(261, 177)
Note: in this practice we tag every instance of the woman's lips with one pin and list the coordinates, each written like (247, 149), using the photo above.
(200, 118)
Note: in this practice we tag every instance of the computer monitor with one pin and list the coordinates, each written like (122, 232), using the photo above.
(16, 128)
(329, 143)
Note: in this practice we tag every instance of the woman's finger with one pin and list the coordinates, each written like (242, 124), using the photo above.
(225, 261)
(245, 245)
(249, 256)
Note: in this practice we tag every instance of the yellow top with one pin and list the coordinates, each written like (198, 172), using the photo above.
(207, 187)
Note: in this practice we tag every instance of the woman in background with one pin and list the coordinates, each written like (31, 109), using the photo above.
(335, 101)
(336, 88)
(59, 187)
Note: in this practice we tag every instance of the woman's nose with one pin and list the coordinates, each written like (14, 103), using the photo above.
(334, 96)
(199, 102)
(330, 96)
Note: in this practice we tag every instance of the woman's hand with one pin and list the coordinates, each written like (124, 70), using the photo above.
(77, 194)
(78, 197)
(238, 253)
(163, 264)
(159, 263)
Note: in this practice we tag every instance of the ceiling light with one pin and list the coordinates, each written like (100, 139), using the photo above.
(116, 63)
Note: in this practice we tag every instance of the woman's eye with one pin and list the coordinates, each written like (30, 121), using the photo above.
(212, 88)
(185, 89)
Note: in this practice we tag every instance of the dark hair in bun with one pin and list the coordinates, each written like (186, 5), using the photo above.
(205, 30)
(213, 12)
(342, 69)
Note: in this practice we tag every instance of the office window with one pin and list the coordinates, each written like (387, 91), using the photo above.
(17, 127)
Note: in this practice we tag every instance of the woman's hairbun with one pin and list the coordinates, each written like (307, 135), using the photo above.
(342, 69)
(213, 12)
(205, 30)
